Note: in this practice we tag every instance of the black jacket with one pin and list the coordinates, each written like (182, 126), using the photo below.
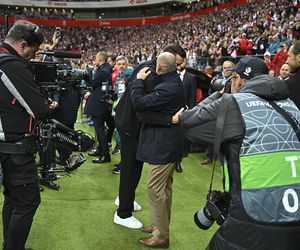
(294, 87)
(102, 83)
(20, 99)
(127, 118)
(190, 89)
(239, 231)
(160, 144)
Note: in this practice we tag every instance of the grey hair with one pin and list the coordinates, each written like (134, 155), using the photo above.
(25, 31)
(122, 58)
(168, 61)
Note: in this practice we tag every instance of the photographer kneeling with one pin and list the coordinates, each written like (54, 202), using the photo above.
(260, 149)
(20, 104)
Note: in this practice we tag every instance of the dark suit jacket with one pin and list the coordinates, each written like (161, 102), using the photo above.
(190, 89)
(96, 104)
(127, 120)
(294, 87)
(160, 144)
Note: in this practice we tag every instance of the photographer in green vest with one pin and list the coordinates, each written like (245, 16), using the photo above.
(259, 208)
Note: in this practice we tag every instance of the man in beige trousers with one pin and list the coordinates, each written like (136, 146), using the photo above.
(160, 146)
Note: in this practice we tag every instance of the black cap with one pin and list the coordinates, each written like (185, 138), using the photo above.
(248, 67)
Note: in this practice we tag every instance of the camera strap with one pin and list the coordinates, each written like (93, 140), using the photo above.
(288, 117)
(221, 115)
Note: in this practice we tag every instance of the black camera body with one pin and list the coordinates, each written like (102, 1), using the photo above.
(53, 77)
(216, 209)
(109, 94)
(64, 136)
(219, 84)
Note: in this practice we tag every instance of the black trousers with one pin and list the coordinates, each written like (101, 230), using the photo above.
(104, 137)
(130, 174)
(21, 199)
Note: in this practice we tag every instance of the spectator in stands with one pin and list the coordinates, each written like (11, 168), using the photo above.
(249, 48)
(268, 61)
(274, 44)
(244, 44)
(285, 72)
(280, 57)
(208, 70)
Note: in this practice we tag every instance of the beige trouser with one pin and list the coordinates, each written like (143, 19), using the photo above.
(160, 179)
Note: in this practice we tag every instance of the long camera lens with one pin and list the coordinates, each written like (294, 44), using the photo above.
(203, 219)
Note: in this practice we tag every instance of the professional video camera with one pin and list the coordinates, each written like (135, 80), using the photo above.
(64, 136)
(216, 209)
(109, 93)
(53, 77)
(219, 84)
(67, 138)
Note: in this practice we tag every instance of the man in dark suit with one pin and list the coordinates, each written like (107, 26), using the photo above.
(99, 107)
(189, 82)
(129, 122)
(160, 145)
(293, 82)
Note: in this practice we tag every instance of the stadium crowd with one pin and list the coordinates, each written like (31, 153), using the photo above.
(208, 40)
(143, 106)
(53, 13)
(250, 29)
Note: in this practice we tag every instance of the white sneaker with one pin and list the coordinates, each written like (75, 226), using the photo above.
(130, 222)
(136, 206)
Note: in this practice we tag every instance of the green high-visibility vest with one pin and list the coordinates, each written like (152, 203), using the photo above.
(269, 161)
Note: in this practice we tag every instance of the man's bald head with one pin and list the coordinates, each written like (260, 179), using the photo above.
(166, 62)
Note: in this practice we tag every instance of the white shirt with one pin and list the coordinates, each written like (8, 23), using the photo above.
(181, 74)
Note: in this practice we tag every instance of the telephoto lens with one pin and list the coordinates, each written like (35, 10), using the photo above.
(203, 219)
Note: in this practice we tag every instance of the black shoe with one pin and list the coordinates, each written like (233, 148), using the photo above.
(178, 168)
(102, 159)
(116, 150)
(61, 162)
(50, 184)
(51, 176)
(117, 169)
(94, 153)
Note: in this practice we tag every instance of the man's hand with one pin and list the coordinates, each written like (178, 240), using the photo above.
(143, 73)
(53, 105)
(55, 39)
(175, 118)
(222, 91)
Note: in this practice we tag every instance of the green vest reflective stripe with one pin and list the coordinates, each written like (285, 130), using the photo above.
(269, 161)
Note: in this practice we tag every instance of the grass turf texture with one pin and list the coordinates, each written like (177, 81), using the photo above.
(80, 215)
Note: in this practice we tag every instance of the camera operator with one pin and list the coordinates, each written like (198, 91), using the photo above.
(20, 104)
(260, 160)
(99, 106)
